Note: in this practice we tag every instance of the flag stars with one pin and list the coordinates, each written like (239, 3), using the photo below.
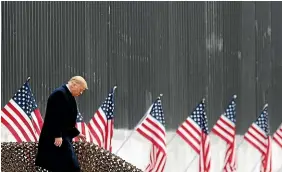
(199, 116)
(157, 111)
(108, 106)
(79, 117)
(230, 112)
(205, 123)
(262, 121)
(25, 99)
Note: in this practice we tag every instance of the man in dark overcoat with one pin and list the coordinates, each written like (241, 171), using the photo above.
(55, 149)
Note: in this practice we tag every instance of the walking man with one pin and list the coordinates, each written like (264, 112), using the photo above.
(55, 149)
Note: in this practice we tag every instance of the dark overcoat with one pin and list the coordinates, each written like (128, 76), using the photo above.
(59, 121)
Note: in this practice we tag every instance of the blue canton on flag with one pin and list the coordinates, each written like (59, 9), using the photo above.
(262, 121)
(199, 116)
(230, 111)
(108, 106)
(79, 117)
(82, 128)
(157, 111)
(25, 100)
(204, 125)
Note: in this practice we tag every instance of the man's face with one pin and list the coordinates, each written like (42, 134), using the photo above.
(78, 90)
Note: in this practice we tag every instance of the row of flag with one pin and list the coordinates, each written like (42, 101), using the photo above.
(22, 118)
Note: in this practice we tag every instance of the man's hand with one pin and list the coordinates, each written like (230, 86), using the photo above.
(82, 137)
(58, 141)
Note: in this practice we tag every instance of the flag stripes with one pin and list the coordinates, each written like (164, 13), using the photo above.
(277, 136)
(152, 128)
(258, 136)
(101, 125)
(194, 131)
(21, 115)
(225, 129)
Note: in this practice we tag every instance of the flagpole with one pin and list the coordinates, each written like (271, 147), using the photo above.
(114, 88)
(130, 134)
(28, 79)
(254, 168)
(190, 163)
(134, 129)
(172, 138)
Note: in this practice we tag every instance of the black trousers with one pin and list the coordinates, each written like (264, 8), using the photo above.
(59, 159)
(70, 170)
(39, 169)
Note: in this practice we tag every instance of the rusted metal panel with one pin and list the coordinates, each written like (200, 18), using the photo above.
(185, 50)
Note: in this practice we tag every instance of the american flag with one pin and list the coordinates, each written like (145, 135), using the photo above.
(225, 129)
(21, 115)
(101, 126)
(258, 136)
(83, 128)
(277, 136)
(153, 129)
(194, 131)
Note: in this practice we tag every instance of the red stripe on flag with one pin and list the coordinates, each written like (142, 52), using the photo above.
(26, 123)
(101, 128)
(104, 123)
(17, 125)
(277, 136)
(258, 132)
(221, 131)
(224, 129)
(38, 117)
(256, 138)
(254, 145)
(191, 137)
(157, 160)
(154, 133)
(109, 135)
(196, 149)
(155, 125)
(205, 156)
(223, 120)
(11, 129)
(99, 142)
(148, 137)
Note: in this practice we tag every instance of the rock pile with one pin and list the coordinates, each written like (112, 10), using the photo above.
(20, 157)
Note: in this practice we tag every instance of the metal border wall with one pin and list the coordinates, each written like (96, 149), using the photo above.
(185, 50)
